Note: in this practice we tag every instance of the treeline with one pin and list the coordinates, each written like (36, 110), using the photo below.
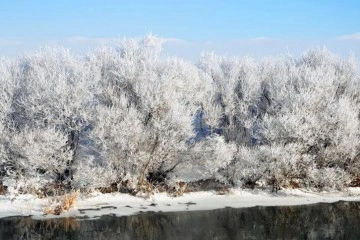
(126, 118)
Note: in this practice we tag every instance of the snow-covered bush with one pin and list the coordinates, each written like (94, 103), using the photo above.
(127, 116)
(144, 117)
(318, 112)
(43, 108)
(286, 116)
(36, 156)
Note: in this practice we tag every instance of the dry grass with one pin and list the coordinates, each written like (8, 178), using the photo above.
(179, 189)
(3, 189)
(62, 204)
(52, 190)
(355, 182)
(109, 189)
(224, 190)
(145, 189)
(290, 184)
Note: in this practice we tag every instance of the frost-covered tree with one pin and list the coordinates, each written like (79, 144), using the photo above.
(128, 117)
(45, 101)
(290, 119)
(318, 112)
(143, 123)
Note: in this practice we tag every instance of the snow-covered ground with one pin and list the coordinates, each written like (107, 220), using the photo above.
(120, 204)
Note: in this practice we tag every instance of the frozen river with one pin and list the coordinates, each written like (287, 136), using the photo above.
(340, 220)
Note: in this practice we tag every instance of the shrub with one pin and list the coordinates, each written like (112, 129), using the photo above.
(125, 117)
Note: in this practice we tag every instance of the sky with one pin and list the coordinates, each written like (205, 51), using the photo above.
(228, 27)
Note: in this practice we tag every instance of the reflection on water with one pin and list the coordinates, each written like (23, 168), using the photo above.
(319, 221)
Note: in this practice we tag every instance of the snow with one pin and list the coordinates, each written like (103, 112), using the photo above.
(119, 204)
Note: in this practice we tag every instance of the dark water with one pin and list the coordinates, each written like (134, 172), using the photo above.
(319, 221)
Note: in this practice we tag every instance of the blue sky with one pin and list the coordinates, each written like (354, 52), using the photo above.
(243, 27)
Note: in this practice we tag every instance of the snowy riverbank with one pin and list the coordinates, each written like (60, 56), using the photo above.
(118, 204)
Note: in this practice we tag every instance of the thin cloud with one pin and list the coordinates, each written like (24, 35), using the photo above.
(256, 40)
(7, 42)
(78, 39)
(175, 41)
(87, 40)
(354, 36)
(262, 39)
(82, 40)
